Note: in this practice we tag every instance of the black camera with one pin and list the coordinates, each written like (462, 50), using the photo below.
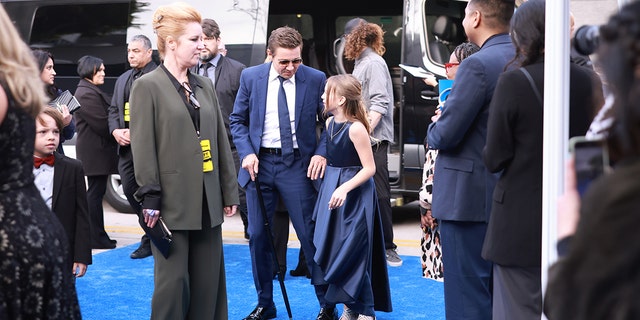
(586, 39)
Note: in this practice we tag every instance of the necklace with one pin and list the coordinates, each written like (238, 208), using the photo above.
(331, 134)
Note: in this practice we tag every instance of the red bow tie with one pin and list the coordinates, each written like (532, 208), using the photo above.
(37, 162)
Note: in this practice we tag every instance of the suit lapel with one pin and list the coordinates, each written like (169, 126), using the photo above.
(301, 89)
(263, 84)
(59, 167)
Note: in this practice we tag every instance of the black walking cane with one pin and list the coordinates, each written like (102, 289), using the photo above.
(273, 247)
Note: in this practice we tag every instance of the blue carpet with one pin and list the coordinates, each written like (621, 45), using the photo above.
(117, 287)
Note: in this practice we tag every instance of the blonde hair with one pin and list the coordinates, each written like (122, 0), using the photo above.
(18, 69)
(349, 87)
(170, 21)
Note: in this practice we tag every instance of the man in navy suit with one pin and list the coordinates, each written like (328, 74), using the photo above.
(273, 124)
(462, 185)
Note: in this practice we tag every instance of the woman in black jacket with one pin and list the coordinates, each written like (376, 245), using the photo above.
(95, 146)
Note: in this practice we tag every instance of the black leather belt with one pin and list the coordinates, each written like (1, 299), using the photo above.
(275, 151)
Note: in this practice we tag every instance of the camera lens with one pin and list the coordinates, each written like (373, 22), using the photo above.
(586, 39)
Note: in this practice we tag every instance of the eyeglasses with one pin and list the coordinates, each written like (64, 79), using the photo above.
(450, 65)
(285, 63)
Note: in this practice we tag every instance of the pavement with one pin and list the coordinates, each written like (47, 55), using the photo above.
(124, 228)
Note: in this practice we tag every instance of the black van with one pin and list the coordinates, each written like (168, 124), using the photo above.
(70, 29)
(419, 33)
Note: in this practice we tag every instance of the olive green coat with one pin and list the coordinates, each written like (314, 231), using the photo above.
(168, 157)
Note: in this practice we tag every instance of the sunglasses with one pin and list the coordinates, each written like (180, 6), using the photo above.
(450, 65)
(285, 63)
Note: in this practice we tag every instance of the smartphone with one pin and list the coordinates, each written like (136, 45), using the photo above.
(591, 160)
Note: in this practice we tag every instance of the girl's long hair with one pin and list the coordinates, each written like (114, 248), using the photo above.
(349, 87)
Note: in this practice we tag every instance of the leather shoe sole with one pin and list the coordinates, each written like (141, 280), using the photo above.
(141, 252)
(260, 313)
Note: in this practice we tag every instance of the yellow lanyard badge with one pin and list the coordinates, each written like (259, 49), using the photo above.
(127, 117)
(207, 162)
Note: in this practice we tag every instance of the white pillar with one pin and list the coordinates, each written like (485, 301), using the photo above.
(556, 123)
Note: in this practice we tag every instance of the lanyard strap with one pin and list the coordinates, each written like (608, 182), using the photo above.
(192, 102)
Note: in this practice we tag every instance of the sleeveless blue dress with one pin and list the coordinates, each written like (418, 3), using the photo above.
(348, 240)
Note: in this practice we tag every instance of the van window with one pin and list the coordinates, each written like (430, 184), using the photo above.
(392, 27)
(304, 24)
(443, 29)
(71, 31)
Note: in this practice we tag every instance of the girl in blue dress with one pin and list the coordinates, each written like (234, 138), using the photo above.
(348, 237)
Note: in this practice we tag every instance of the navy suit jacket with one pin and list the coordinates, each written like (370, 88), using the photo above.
(462, 185)
(69, 203)
(248, 116)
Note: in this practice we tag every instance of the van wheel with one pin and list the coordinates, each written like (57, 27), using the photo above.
(115, 195)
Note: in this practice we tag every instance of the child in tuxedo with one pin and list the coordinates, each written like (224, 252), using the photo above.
(61, 183)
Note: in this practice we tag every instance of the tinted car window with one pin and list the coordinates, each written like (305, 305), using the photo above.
(71, 31)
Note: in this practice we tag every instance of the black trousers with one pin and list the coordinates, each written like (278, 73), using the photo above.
(383, 189)
(129, 186)
(96, 188)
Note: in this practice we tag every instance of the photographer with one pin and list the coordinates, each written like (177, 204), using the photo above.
(598, 276)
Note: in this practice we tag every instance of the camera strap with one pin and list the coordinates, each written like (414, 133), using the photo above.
(533, 85)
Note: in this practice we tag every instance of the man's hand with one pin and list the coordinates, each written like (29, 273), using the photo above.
(316, 167)
(374, 118)
(122, 136)
(435, 117)
(251, 164)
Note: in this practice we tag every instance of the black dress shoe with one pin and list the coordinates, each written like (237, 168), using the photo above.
(141, 252)
(328, 314)
(300, 272)
(260, 313)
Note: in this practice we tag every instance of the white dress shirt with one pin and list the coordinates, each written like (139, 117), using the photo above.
(43, 179)
(271, 129)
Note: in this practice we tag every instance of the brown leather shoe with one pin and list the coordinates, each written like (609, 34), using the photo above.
(328, 314)
(260, 313)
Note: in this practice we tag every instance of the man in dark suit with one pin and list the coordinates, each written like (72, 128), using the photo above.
(225, 74)
(274, 129)
(60, 180)
(462, 184)
(139, 55)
